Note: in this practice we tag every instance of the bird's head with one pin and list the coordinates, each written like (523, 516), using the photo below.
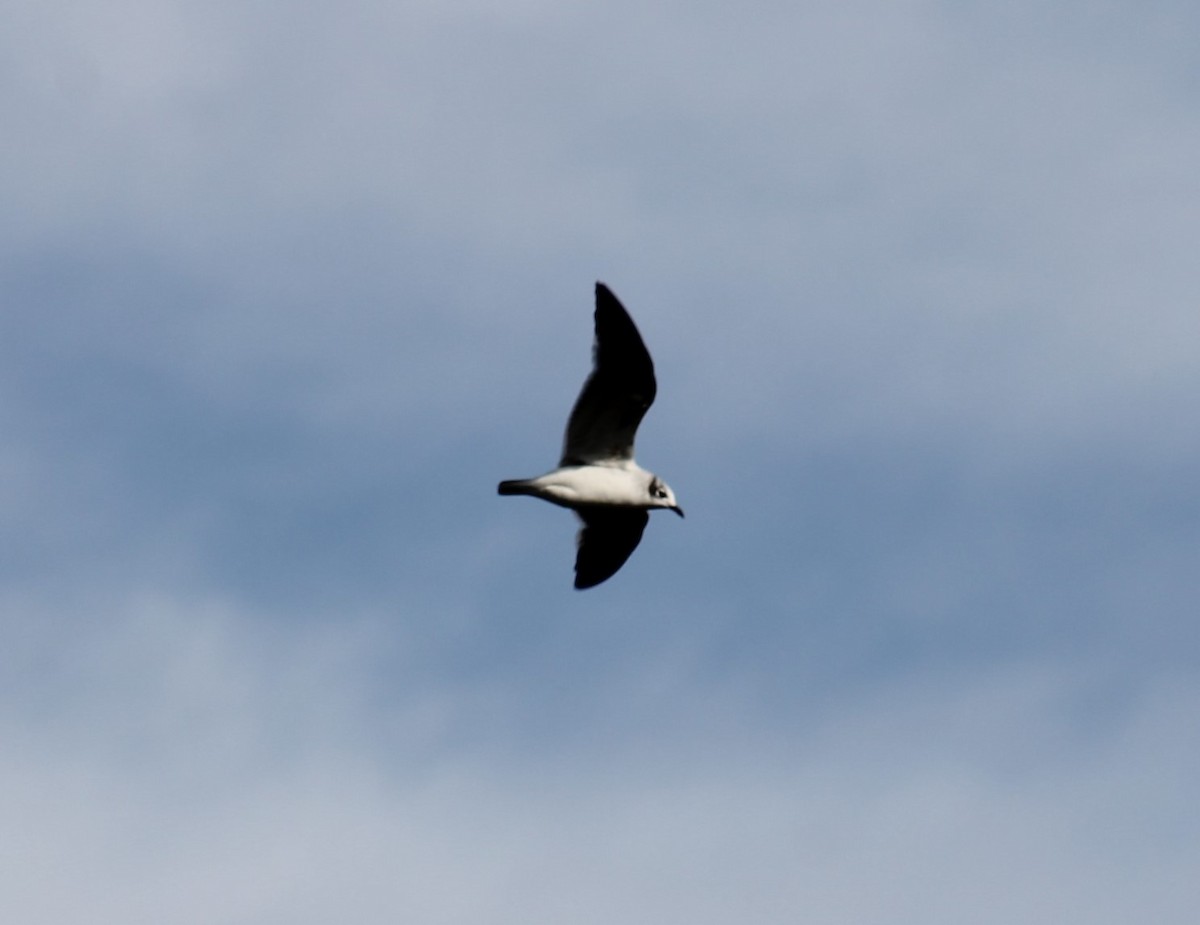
(662, 496)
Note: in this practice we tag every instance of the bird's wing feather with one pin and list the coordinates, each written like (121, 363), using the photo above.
(616, 395)
(606, 540)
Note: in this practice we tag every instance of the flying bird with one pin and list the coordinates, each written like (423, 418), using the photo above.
(597, 477)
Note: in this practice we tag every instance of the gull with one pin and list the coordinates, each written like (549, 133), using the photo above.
(597, 477)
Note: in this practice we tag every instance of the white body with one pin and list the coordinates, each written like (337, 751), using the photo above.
(622, 485)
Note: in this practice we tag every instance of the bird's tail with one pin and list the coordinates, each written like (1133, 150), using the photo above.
(516, 487)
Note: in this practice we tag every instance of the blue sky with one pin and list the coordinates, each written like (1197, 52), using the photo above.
(286, 289)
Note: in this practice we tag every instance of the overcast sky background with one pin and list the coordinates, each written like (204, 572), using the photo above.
(285, 289)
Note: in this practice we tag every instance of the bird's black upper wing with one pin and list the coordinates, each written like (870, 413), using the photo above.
(615, 396)
(607, 539)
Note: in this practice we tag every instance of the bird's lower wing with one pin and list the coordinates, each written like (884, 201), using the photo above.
(607, 539)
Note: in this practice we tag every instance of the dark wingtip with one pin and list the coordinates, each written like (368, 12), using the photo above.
(582, 584)
(605, 296)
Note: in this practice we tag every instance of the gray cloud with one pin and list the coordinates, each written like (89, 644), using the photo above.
(227, 780)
